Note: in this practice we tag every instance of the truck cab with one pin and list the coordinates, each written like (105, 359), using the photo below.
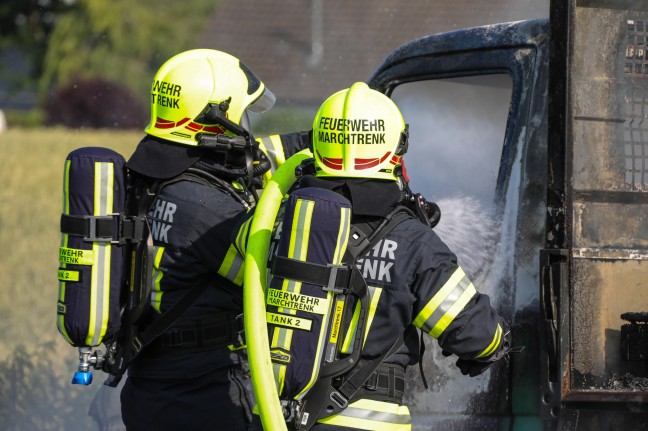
(532, 138)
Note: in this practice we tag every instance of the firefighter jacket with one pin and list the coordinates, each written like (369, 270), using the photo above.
(191, 224)
(414, 278)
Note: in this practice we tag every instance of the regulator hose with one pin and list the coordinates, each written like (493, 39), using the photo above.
(254, 285)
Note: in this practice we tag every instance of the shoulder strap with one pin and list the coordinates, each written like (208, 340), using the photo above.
(339, 278)
(132, 341)
(324, 396)
(363, 237)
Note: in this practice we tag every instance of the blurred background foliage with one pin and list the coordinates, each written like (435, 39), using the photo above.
(113, 48)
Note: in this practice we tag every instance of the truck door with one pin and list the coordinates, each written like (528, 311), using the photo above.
(475, 101)
(595, 264)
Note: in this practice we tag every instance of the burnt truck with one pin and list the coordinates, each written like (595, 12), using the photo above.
(532, 137)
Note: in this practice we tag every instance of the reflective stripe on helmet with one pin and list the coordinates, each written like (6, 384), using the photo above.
(192, 80)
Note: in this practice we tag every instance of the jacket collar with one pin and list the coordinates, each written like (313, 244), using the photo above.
(369, 198)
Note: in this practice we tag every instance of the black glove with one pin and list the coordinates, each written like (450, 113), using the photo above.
(468, 366)
(472, 368)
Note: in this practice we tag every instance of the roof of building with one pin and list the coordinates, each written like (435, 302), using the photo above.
(304, 50)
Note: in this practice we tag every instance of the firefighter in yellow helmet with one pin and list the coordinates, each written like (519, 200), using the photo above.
(359, 139)
(202, 161)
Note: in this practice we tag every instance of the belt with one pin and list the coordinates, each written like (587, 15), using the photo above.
(387, 384)
(201, 334)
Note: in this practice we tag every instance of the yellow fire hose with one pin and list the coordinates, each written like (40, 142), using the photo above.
(255, 279)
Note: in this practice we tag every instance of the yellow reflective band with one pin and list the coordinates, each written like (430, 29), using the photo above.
(68, 275)
(456, 308)
(297, 301)
(279, 371)
(337, 321)
(156, 278)
(372, 415)
(444, 306)
(232, 266)
(104, 176)
(273, 148)
(298, 248)
(493, 345)
(374, 295)
(76, 256)
(60, 321)
(289, 321)
(242, 235)
(343, 235)
(66, 187)
(347, 346)
(282, 337)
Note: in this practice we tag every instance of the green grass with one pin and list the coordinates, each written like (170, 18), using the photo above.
(36, 365)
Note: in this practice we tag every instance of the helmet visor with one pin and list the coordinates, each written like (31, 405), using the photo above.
(264, 102)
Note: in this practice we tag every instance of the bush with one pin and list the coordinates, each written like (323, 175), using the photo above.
(95, 103)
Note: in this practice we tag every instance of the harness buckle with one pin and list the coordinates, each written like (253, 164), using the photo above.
(93, 228)
(290, 409)
(333, 275)
(340, 400)
(137, 345)
(238, 333)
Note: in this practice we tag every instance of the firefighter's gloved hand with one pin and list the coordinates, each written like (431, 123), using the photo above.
(472, 368)
(469, 367)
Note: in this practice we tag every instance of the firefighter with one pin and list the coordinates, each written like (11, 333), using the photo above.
(359, 138)
(199, 147)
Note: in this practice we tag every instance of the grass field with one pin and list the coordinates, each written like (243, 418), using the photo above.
(36, 365)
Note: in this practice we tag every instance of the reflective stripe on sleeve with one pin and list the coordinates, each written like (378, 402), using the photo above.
(497, 338)
(232, 266)
(242, 236)
(156, 278)
(273, 148)
(372, 415)
(448, 302)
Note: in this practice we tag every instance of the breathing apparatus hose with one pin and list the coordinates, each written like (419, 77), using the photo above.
(254, 285)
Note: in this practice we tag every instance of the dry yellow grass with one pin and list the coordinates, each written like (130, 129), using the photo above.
(36, 364)
(31, 172)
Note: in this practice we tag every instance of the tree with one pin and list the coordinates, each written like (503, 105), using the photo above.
(26, 25)
(121, 41)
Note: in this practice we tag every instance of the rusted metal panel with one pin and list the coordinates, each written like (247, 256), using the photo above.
(606, 189)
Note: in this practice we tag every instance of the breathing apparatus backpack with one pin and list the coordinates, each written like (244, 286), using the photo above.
(90, 260)
(317, 304)
(103, 257)
(106, 260)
